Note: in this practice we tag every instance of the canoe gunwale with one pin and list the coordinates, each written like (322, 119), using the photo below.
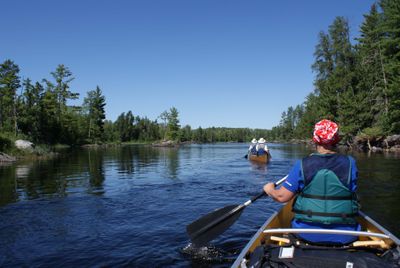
(323, 231)
(380, 228)
(253, 240)
(373, 230)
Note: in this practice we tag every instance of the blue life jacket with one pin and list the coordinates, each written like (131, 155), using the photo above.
(326, 197)
(253, 149)
(261, 151)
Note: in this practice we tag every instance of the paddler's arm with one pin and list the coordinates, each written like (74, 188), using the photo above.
(281, 194)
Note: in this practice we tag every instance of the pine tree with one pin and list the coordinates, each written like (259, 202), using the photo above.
(390, 30)
(372, 97)
(29, 109)
(173, 124)
(9, 83)
(94, 105)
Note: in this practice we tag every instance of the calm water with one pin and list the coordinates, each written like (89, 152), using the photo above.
(129, 206)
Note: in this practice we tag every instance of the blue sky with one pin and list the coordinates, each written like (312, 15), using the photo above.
(221, 63)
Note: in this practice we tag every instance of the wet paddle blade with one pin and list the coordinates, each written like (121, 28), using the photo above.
(213, 224)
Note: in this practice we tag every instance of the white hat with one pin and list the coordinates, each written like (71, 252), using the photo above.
(261, 140)
(253, 141)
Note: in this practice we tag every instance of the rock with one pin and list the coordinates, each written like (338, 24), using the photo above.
(395, 149)
(6, 158)
(393, 140)
(376, 149)
(23, 144)
(166, 144)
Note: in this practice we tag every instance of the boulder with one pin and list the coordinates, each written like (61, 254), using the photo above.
(23, 144)
(376, 149)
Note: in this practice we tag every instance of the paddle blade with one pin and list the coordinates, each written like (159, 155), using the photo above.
(213, 224)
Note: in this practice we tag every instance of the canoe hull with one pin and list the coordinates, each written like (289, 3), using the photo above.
(282, 219)
(264, 158)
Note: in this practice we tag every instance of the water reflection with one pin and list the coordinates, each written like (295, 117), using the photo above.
(8, 185)
(171, 158)
(122, 201)
(22, 171)
(84, 171)
(96, 171)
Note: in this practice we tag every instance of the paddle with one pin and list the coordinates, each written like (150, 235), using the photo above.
(246, 156)
(211, 225)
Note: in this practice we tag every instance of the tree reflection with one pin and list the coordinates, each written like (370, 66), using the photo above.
(96, 171)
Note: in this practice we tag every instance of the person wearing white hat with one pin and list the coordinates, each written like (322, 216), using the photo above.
(252, 147)
(261, 147)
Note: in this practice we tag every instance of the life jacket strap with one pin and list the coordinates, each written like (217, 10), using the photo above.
(322, 197)
(310, 213)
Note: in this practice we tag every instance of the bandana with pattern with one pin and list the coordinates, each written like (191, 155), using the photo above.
(326, 132)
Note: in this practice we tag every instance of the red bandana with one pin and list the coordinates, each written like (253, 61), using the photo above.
(326, 132)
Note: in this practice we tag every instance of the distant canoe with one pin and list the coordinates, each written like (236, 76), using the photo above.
(263, 158)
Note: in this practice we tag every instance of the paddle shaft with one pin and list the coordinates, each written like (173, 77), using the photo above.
(263, 193)
(211, 225)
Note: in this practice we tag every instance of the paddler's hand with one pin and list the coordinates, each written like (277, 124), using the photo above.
(269, 187)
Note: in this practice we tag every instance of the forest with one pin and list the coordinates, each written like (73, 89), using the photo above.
(357, 84)
(41, 114)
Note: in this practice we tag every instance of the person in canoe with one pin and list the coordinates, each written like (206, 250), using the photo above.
(262, 147)
(324, 184)
(252, 147)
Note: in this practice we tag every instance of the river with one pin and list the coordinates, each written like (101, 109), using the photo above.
(129, 206)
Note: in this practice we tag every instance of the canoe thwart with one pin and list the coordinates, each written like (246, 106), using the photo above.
(368, 243)
(280, 239)
(323, 231)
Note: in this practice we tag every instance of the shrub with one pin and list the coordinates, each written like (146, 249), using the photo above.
(5, 143)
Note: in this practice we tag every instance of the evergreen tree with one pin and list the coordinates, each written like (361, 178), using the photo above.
(9, 83)
(173, 124)
(50, 127)
(63, 77)
(372, 97)
(29, 110)
(125, 126)
(390, 30)
(94, 105)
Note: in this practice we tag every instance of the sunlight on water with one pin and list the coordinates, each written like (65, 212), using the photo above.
(207, 253)
(129, 206)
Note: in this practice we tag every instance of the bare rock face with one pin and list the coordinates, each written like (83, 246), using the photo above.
(23, 144)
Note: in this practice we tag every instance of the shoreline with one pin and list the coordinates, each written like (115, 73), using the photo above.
(389, 144)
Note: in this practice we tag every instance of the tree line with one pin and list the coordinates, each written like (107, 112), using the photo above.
(357, 85)
(40, 112)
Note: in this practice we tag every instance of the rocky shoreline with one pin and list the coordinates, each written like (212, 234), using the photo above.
(365, 144)
(7, 158)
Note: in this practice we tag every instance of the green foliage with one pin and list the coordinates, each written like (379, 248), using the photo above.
(372, 132)
(9, 83)
(6, 143)
(94, 105)
(358, 85)
(173, 124)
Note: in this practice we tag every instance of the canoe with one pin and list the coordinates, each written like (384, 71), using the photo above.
(276, 245)
(264, 158)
